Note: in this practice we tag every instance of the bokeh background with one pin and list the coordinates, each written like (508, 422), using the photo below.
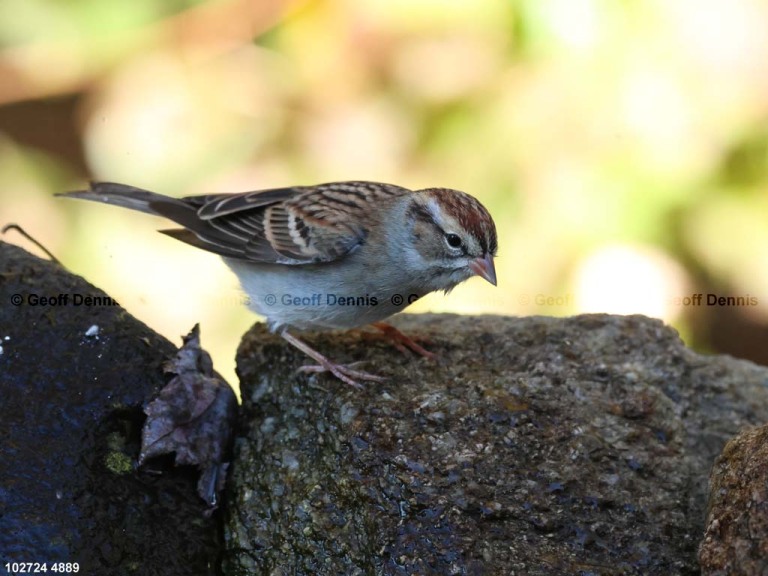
(622, 146)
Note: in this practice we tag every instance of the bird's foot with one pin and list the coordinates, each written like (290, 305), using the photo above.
(401, 341)
(344, 372)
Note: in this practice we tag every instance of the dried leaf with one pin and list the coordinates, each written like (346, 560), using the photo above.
(194, 417)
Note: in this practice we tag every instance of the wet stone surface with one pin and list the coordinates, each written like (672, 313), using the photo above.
(537, 446)
(71, 414)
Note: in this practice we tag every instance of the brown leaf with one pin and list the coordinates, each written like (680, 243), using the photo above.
(194, 417)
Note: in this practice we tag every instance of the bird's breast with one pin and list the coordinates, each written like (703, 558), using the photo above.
(322, 296)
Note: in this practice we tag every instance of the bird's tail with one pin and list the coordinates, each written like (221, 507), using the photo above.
(121, 195)
(183, 211)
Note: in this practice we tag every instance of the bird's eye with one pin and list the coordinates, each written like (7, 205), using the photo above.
(453, 240)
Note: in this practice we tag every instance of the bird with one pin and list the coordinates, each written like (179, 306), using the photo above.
(339, 255)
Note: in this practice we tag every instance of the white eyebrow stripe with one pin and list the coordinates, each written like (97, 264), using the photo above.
(433, 207)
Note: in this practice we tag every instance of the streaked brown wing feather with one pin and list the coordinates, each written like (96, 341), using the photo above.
(327, 221)
(218, 205)
(298, 225)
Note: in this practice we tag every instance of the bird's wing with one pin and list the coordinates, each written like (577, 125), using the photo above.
(299, 225)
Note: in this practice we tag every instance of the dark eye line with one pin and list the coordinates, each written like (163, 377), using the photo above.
(417, 212)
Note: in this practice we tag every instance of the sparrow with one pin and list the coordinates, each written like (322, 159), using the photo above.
(332, 256)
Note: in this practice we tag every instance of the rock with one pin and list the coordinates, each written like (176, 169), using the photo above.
(75, 371)
(538, 446)
(736, 540)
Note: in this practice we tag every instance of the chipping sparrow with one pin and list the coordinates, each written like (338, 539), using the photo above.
(337, 255)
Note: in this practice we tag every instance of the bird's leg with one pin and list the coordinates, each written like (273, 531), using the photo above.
(345, 373)
(401, 341)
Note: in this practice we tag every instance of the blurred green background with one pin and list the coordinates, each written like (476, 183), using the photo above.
(622, 146)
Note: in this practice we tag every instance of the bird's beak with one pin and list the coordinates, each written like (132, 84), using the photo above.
(484, 268)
